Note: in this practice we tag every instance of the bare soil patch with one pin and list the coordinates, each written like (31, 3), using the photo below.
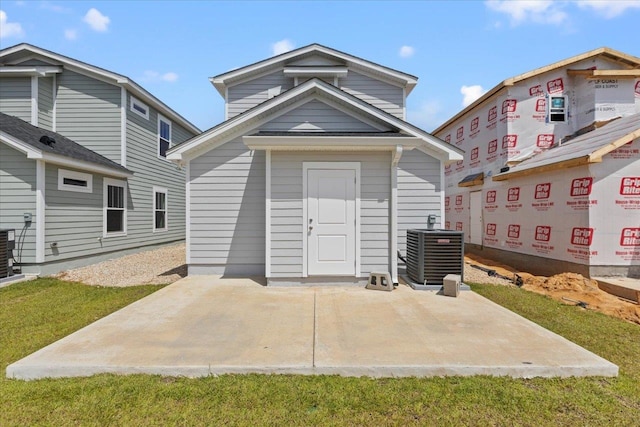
(568, 288)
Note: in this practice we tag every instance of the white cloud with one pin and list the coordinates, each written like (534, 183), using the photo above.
(54, 7)
(427, 116)
(170, 77)
(96, 20)
(471, 93)
(9, 29)
(70, 34)
(151, 76)
(282, 46)
(406, 51)
(537, 11)
(609, 9)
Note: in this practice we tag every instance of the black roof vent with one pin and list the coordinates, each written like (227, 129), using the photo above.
(46, 140)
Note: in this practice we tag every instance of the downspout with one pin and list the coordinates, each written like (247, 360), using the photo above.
(393, 250)
(267, 205)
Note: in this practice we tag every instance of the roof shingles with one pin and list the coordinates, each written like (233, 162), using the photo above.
(63, 146)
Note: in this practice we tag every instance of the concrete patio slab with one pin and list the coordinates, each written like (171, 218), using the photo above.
(205, 325)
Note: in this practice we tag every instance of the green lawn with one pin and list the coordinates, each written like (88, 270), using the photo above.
(33, 314)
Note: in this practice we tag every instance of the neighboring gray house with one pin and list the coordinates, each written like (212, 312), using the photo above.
(118, 195)
(315, 176)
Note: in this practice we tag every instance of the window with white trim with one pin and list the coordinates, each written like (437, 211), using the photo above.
(160, 202)
(139, 108)
(75, 181)
(557, 107)
(115, 207)
(164, 136)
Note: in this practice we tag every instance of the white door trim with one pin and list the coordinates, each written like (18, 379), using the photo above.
(355, 166)
(475, 216)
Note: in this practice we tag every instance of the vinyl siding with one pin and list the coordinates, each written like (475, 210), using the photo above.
(18, 194)
(88, 112)
(315, 116)
(228, 208)
(74, 220)
(246, 95)
(287, 204)
(15, 97)
(375, 92)
(45, 103)
(419, 193)
(149, 171)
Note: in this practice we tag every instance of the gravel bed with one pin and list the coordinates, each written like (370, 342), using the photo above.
(474, 275)
(158, 266)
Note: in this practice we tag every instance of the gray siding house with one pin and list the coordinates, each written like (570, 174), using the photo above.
(71, 210)
(315, 176)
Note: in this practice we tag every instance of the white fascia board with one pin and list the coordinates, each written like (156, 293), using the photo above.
(433, 145)
(221, 85)
(338, 143)
(107, 77)
(180, 152)
(225, 133)
(30, 70)
(145, 96)
(15, 143)
(224, 79)
(83, 165)
(439, 155)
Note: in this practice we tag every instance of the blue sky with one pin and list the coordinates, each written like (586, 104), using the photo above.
(457, 49)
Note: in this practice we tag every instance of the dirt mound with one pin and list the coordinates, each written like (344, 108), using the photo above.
(561, 282)
(568, 288)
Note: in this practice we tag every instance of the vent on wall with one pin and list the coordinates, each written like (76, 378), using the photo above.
(432, 254)
(7, 245)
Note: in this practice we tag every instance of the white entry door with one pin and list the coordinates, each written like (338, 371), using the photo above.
(331, 221)
(475, 217)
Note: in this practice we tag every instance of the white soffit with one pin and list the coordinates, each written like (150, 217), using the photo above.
(333, 143)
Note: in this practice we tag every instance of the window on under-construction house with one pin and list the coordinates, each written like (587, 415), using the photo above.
(557, 109)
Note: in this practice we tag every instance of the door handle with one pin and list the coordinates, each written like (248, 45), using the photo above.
(310, 227)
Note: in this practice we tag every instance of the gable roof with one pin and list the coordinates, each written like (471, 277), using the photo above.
(628, 61)
(27, 138)
(9, 56)
(588, 148)
(311, 89)
(222, 81)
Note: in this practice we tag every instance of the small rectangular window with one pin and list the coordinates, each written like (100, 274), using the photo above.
(557, 108)
(115, 210)
(75, 181)
(160, 220)
(164, 136)
(139, 108)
